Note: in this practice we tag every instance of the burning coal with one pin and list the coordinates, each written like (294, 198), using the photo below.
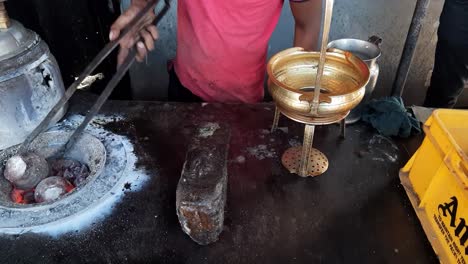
(36, 180)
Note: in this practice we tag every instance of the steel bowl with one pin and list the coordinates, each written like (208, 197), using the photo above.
(291, 83)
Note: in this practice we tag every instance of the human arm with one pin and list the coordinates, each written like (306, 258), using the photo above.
(307, 16)
(143, 38)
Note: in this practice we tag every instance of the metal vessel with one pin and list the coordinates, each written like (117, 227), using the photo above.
(368, 51)
(315, 88)
(30, 81)
(292, 74)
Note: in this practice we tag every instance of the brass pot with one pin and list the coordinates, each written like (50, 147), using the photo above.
(291, 83)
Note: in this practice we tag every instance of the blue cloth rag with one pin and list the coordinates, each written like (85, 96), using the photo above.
(390, 118)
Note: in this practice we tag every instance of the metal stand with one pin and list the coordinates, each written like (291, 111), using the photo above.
(343, 128)
(275, 120)
(305, 160)
(306, 149)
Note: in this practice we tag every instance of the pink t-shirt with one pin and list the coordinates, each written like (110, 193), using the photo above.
(222, 47)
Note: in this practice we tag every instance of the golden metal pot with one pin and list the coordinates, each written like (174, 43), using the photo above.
(292, 74)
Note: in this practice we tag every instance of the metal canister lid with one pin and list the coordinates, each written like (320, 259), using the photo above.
(15, 39)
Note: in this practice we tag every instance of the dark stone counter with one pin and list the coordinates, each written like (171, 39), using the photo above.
(357, 212)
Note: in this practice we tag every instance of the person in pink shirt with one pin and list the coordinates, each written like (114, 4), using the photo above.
(221, 45)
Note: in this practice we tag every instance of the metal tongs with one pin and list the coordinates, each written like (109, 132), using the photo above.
(134, 25)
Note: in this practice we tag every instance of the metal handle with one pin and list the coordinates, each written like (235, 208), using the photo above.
(102, 55)
(323, 54)
(101, 100)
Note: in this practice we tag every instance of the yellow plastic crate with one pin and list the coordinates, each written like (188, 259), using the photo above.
(436, 182)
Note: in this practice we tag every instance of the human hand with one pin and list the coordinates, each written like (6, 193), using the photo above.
(144, 36)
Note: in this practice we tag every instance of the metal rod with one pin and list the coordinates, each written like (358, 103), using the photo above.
(103, 54)
(309, 131)
(343, 128)
(323, 54)
(407, 56)
(101, 100)
(276, 120)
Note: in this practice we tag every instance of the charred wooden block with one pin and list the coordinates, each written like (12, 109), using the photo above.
(201, 193)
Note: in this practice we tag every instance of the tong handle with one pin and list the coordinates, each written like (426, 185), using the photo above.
(100, 57)
(100, 101)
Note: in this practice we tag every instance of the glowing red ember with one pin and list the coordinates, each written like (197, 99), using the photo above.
(26, 173)
(22, 197)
